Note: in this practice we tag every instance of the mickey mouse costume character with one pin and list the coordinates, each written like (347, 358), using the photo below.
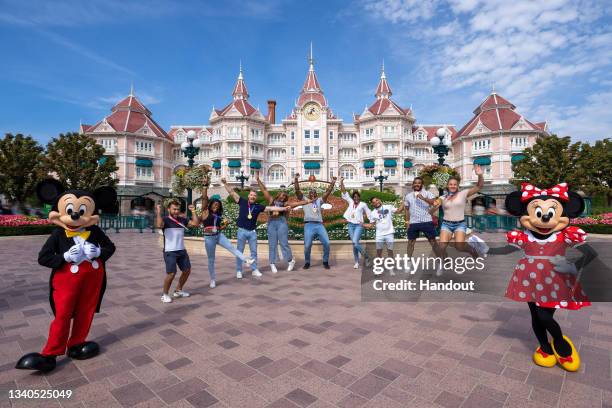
(544, 278)
(76, 252)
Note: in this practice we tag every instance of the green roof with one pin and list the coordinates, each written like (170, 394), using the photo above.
(407, 164)
(233, 163)
(369, 164)
(312, 165)
(255, 164)
(517, 158)
(390, 163)
(216, 165)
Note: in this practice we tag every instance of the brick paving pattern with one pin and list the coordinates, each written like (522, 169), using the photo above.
(295, 339)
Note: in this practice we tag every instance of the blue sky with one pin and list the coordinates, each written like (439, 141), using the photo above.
(66, 61)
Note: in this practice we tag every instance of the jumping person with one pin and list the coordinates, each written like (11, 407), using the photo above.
(213, 223)
(278, 228)
(247, 225)
(173, 227)
(453, 223)
(313, 221)
(382, 217)
(354, 216)
(418, 218)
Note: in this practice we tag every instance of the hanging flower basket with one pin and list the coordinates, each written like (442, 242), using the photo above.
(437, 175)
(195, 178)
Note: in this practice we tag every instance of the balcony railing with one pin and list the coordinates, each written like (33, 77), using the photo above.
(233, 136)
(146, 178)
(277, 142)
(367, 154)
(394, 152)
(257, 155)
(148, 153)
(387, 136)
(518, 148)
(110, 149)
(234, 153)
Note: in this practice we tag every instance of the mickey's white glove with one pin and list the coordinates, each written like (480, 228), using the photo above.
(91, 251)
(562, 265)
(74, 254)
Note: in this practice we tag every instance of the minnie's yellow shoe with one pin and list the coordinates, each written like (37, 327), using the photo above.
(544, 359)
(571, 362)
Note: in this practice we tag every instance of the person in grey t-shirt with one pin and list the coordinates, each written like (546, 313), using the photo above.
(313, 221)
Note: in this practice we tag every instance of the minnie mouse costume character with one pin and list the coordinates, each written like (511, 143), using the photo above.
(76, 252)
(544, 278)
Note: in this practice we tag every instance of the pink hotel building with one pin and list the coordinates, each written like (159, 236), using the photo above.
(311, 140)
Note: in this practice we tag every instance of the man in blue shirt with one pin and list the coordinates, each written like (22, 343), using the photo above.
(247, 223)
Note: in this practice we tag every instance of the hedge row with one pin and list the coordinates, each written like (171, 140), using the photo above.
(26, 230)
(596, 228)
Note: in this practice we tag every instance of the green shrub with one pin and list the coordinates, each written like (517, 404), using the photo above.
(26, 230)
(596, 228)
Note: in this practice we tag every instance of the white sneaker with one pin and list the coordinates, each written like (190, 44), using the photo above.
(238, 275)
(180, 293)
(249, 261)
(212, 284)
(291, 265)
(166, 299)
(273, 268)
(256, 273)
(356, 266)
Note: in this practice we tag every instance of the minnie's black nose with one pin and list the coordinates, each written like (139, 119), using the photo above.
(546, 218)
(75, 216)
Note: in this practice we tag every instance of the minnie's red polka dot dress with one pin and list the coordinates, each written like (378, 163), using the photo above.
(534, 278)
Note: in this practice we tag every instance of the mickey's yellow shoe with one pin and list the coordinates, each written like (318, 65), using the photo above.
(544, 359)
(571, 362)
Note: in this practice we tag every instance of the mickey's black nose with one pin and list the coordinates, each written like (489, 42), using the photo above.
(75, 216)
(546, 218)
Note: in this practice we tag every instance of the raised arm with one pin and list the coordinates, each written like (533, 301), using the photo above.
(296, 184)
(159, 223)
(195, 220)
(204, 204)
(329, 190)
(479, 184)
(342, 189)
(230, 190)
(299, 203)
(264, 190)
(406, 211)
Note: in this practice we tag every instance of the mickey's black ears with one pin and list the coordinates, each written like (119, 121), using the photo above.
(106, 198)
(575, 206)
(513, 203)
(49, 190)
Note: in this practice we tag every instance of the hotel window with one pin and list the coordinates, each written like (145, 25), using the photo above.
(369, 173)
(331, 173)
(307, 134)
(233, 172)
(391, 172)
(108, 144)
(483, 144)
(389, 130)
(234, 132)
(276, 173)
(348, 172)
(331, 135)
(421, 152)
(180, 137)
(255, 149)
(316, 149)
(369, 148)
(144, 172)
(178, 154)
(331, 150)
(292, 135)
(369, 133)
(316, 133)
(390, 147)
(407, 133)
(519, 142)
(486, 170)
(306, 149)
(292, 151)
(292, 172)
(233, 148)
(312, 172)
(144, 147)
(420, 135)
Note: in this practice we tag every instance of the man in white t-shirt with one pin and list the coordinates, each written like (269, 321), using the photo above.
(382, 217)
(354, 216)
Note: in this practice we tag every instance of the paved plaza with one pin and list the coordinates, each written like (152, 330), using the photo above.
(295, 339)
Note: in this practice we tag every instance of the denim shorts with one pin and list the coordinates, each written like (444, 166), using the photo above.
(173, 258)
(453, 226)
(385, 240)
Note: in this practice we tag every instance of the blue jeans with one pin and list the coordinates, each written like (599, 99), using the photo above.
(211, 242)
(245, 235)
(314, 230)
(452, 226)
(355, 231)
(278, 233)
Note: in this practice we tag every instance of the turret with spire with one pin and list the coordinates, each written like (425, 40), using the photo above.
(383, 90)
(311, 91)
(240, 89)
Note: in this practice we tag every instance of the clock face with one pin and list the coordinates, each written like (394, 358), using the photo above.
(311, 111)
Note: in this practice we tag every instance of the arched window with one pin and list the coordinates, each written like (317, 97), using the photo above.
(276, 173)
(348, 172)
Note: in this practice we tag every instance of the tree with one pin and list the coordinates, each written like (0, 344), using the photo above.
(78, 162)
(20, 170)
(593, 168)
(548, 162)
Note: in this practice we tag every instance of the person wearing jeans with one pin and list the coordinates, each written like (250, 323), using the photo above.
(313, 221)
(278, 228)
(354, 216)
(213, 224)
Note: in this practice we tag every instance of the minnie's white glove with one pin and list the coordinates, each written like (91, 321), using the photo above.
(562, 265)
(74, 254)
(91, 251)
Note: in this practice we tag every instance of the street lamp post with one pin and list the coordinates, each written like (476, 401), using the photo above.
(441, 144)
(242, 178)
(381, 179)
(190, 148)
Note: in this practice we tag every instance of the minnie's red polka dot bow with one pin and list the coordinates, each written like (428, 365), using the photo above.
(529, 191)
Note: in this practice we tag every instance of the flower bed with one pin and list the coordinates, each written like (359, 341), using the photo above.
(596, 224)
(24, 225)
